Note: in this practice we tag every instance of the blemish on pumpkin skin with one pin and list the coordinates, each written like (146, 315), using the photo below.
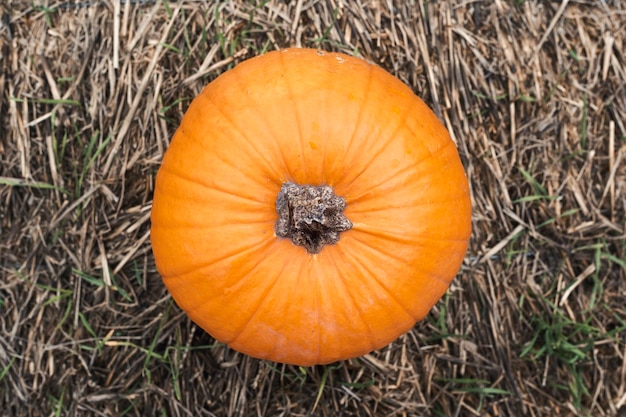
(313, 145)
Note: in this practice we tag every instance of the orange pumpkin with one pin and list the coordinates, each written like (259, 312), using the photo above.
(309, 209)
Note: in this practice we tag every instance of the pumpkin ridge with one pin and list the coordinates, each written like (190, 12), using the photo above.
(267, 165)
(408, 167)
(199, 227)
(355, 303)
(356, 261)
(374, 155)
(262, 299)
(278, 329)
(179, 174)
(318, 324)
(359, 118)
(296, 113)
(241, 287)
(259, 108)
(391, 254)
(402, 237)
(415, 267)
(385, 234)
(389, 206)
(418, 266)
(211, 263)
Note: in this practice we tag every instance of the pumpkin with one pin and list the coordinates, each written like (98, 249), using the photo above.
(310, 208)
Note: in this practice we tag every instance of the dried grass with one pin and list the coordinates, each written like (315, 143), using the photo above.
(533, 93)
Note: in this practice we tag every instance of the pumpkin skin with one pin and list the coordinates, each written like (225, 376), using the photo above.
(311, 118)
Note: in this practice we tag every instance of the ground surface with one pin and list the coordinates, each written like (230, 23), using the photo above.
(534, 95)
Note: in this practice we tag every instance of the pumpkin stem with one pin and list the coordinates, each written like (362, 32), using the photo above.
(310, 216)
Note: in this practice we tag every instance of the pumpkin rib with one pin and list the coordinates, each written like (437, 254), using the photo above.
(391, 175)
(205, 227)
(390, 253)
(212, 262)
(355, 303)
(413, 240)
(240, 287)
(400, 236)
(259, 108)
(420, 311)
(195, 274)
(443, 203)
(286, 307)
(418, 267)
(241, 83)
(378, 252)
(262, 299)
(374, 155)
(267, 165)
(368, 341)
(324, 143)
(373, 278)
(292, 97)
(359, 118)
(318, 325)
(253, 294)
(168, 169)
